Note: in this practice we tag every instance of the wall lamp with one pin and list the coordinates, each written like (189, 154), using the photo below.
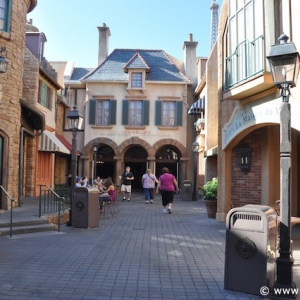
(245, 157)
(3, 61)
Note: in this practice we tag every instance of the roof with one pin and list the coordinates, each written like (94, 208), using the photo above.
(158, 64)
(78, 73)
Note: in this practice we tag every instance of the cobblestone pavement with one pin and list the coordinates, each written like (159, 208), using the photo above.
(140, 254)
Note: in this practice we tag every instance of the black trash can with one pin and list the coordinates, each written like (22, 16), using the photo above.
(85, 207)
(251, 248)
(186, 191)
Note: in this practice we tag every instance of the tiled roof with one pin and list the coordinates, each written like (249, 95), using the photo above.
(78, 73)
(136, 62)
(161, 67)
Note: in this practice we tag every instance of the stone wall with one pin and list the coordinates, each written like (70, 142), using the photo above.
(12, 82)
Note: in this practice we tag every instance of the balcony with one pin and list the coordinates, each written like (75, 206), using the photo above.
(245, 71)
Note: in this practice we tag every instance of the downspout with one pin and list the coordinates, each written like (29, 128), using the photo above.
(21, 158)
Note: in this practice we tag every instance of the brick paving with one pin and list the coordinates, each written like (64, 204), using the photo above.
(140, 254)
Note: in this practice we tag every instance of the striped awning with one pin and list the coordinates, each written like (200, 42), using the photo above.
(50, 143)
(197, 107)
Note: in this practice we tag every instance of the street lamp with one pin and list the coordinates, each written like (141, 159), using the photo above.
(95, 150)
(3, 61)
(195, 148)
(284, 63)
(75, 123)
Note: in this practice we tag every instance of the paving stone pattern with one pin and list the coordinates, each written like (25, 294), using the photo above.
(140, 254)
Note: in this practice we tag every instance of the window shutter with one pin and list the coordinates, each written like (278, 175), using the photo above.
(125, 112)
(158, 106)
(113, 111)
(146, 105)
(92, 112)
(179, 113)
(51, 99)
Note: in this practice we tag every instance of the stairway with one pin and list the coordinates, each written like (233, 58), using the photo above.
(27, 226)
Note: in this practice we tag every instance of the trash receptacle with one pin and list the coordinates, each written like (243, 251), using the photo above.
(186, 191)
(250, 256)
(85, 207)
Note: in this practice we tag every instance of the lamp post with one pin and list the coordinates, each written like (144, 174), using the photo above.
(284, 63)
(95, 150)
(195, 147)
(75, 123)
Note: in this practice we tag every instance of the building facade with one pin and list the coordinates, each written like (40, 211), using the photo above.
(249, 104)
(135, 107)
(12, 37)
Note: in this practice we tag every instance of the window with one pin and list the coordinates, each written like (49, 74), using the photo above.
(168, 116)
(245, 40)
(5, 8)
(168, 113)
(102, 112)
(136, 80)
(45, 95)
(135, 112)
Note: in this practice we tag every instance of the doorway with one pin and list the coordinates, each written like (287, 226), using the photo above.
(136, 159)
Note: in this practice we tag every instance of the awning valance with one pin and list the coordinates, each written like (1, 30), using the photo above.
(50, 143)
(197, 107)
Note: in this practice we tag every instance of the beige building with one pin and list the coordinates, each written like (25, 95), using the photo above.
(248, 104)
(13, 113)
(135, 107)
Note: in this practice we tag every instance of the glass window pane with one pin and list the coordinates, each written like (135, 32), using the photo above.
(232, 7)
(232, 28)
(240, 27)
(249, 21)
(258, 24)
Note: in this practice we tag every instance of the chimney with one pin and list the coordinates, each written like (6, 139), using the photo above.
(190, 59)
(104, 34)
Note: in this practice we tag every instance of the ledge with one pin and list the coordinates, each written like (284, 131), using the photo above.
(168, 128)
(102, 126)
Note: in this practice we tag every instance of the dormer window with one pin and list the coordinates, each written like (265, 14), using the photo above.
(136, 79)
(136, 68)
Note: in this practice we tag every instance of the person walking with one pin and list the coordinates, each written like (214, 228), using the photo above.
(126, 178)
(166, 185)
(148, 182)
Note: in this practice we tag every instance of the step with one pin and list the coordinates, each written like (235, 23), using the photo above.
(28, 229)
(25, 222)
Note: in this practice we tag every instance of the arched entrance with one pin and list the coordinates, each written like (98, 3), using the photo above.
(167, 156)
(136, 159)
(105, 164)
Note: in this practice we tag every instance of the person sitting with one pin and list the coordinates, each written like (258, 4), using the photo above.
(110, 189)
(78, 182)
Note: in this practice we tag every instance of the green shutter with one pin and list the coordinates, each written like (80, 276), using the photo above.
(92, 112)
(113, 112)
(51, 99)
(146, 104)
(158, 113)
(125, 112)
(179, 113)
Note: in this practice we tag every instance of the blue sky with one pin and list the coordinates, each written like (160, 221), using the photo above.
(71, 26)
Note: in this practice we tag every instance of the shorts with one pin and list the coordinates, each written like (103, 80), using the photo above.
(167, 197)
(126, 188)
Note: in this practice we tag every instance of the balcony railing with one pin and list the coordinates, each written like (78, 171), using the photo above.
(246, 61)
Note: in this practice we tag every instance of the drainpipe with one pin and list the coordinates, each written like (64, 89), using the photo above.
(21, 158)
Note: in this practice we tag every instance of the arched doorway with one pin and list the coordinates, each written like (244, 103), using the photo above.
(136, 159)
(167, 157)
(105, 163)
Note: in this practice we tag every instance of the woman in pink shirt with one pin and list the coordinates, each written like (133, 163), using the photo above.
(167, 184)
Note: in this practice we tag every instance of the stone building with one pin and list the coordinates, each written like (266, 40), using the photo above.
(12, 37)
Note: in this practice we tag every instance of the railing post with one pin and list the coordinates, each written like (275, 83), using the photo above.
(40, 202)
(58, 221)
(11, 217)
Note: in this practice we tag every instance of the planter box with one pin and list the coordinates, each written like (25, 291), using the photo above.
(211, 208)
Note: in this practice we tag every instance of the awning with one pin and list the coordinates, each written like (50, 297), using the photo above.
(197, 107)
(66, 143)
(31, 117)
(50, 143)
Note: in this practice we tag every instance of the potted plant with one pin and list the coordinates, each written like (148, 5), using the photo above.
(210, 192)
(118, 189)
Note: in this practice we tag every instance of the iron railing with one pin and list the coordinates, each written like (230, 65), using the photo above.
(246, 61)
(11, 209)
(50, 201)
